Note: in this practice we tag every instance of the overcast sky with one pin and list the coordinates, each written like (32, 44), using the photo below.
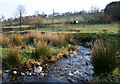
(8, 7)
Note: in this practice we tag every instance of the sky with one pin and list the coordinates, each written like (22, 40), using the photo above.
(8, 7)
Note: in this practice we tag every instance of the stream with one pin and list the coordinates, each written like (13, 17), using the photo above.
(73, 69)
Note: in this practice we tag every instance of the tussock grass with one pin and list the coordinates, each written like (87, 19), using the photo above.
(4, 41)
(103, 57)
(36, 45)
(42, 51)
(12, 58)
(16, 39)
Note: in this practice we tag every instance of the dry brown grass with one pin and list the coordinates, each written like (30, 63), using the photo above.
(5, 40)
(16, 39)
(13, 59)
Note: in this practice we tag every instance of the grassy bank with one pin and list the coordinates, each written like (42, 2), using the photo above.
(34, 47)
(106, 68)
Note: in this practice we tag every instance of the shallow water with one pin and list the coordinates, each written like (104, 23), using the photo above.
(75, 68)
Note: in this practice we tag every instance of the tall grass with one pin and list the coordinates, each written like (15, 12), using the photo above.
(103, 57)
(5, 41)
(12, 58)
(42, 51)
(29, 37)
(57, 40)
(42, 47)
(16, 39)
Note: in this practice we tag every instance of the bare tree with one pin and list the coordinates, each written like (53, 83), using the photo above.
(94, 9)
(20, 12)
(2, 18)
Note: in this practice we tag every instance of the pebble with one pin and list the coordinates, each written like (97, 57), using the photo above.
(23, 74)
(6, 71)
(75, 67)
(38, 69)
(70, 74)
(14, 72)
(76, 72)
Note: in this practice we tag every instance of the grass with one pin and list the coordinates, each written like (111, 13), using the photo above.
(63, 36)
(23, 26)
(99, 28)
(110, 29)
(16, 39)
(42, 51)
(103, 57)
(12, 58)
(37, 46)
(4, 41)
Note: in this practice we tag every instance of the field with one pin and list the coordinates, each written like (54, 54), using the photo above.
(43, 45)
(78, 28)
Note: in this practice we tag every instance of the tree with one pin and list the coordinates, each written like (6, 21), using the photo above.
(37, 13)
(36, 21)
(2, 19)
(94, 9)
(113, 9)
(20, 12)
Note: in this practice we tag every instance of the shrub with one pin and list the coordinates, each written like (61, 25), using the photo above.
(12, 58)
(42, 51)
(103, 57)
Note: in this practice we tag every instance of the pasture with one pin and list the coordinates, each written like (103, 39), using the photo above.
(71, 28)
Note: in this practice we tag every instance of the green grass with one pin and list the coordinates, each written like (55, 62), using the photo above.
(12, 57)
(103, 57)
(35, 45)
(110, 29)
(23, 26)
(63, 19)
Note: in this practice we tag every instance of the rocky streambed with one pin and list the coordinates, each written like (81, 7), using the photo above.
(75, 68)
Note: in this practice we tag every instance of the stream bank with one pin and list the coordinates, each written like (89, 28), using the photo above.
(73, 69)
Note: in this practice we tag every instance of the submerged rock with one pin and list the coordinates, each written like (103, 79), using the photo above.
(71, 80)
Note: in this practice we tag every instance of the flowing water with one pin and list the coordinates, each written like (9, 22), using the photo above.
(75, 68)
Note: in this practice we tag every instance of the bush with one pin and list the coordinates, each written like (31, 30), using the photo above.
(12, 58)
(103, 57)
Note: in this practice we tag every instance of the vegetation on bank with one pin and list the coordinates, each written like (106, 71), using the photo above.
(105, 55)
(46, 47)
(21, 51)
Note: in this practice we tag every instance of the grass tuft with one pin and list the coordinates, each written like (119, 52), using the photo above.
(42, 51)
(16, 39)
(13, 59)
(103, 57)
